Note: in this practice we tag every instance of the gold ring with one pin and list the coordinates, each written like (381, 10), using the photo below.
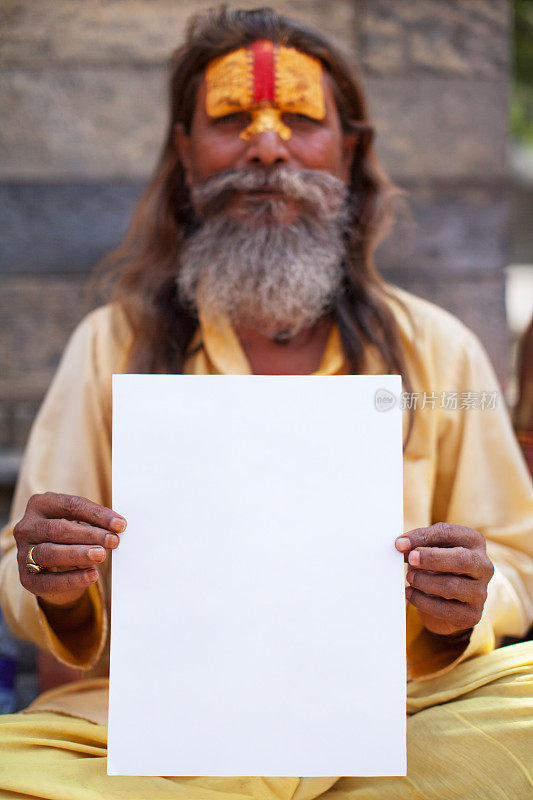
(31, 565)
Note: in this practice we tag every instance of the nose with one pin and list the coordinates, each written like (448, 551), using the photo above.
(267, 149)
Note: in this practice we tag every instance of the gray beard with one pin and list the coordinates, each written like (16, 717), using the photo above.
(277, 277)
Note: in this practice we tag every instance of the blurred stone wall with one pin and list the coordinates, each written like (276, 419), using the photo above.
(84, 107)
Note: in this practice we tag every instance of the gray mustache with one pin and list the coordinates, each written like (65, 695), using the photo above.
(319, 193)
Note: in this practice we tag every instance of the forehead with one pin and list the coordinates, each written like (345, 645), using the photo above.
(326, 82)
(265, 73)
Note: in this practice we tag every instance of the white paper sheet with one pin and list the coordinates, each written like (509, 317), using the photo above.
(258, 611)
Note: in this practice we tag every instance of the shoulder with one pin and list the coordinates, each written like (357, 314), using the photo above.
(432, 335)
(421, 321)
(103, 337)
(427, 319)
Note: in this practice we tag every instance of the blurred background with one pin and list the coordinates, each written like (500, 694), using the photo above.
(83, 96)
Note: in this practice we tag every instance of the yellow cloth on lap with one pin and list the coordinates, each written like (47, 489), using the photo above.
(476, 747)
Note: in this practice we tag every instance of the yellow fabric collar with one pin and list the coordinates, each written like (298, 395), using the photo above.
(223, 351)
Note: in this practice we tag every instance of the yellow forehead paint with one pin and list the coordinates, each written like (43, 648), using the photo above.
(267, 80)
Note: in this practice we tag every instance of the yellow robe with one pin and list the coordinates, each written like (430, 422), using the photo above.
(461, 466)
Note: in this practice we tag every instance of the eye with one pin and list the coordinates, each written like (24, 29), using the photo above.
(294, 119)
(236, 119)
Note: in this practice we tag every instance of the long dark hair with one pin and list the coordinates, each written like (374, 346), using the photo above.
(143, 268)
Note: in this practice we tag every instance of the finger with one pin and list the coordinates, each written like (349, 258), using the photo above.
(404, 546)
(461, 615)
(49, 556)
(450, 587)
(55, 583)
(71, 507)
(441, 534)
(456, 560)
(62, 531)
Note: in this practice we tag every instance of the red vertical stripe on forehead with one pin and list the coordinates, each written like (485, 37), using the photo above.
(263, 57)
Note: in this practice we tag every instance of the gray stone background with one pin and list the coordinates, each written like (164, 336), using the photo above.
(83, 95)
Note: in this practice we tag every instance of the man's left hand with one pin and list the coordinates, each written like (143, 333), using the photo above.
(449, 571)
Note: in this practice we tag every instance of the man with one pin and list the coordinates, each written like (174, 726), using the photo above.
(251, 252)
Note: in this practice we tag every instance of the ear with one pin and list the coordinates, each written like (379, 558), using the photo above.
(349, 142)
(356, 142)
(182, 143)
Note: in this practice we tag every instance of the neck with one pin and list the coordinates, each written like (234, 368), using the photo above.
(299, 356)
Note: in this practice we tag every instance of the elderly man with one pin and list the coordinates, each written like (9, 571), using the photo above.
(251, 252)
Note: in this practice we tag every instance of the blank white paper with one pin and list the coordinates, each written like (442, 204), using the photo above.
(258, 607)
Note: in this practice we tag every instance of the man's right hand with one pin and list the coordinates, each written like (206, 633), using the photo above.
(69, 536)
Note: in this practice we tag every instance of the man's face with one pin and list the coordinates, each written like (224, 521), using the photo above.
(268, 176)
(216, 144)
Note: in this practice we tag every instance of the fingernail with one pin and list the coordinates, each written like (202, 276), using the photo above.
(403, 544)
(97, 553)
(414, 558)
(409, 577)
(408, 592)
(92, 575)
(118, 524)
(111, 541)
